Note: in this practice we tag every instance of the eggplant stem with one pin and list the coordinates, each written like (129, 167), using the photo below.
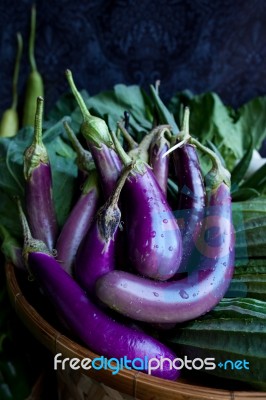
(16, 72)
(83, 155)
(131, 142)
(125, 158)
(142, 149)
(32, 39)
(184, 135)
(24, 223)
(218, 172)
(85, 112)
(38, 121)
(120, 184)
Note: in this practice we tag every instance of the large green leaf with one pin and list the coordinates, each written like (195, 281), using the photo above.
(252, 121)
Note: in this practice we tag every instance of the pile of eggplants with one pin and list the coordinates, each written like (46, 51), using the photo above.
(125, 253)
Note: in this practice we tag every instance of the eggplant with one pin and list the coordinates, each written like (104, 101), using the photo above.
(153, 236)
(78, 223)
(99, 141)
(160, 165)
(196, 294)
(96, 254)
(101, 333)
(191, 198)
(38, 187)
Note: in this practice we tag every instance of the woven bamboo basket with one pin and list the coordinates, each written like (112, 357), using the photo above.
(102, 384)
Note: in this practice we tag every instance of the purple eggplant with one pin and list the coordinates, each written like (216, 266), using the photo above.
(101, 333)
(160, 165)
(96, 254)
(188, 298)
(153, 237)
(38, 188)
(192, 194)
(78, 223)
(100, 144)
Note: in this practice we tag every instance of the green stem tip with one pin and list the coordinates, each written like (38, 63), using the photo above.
(124, 157)
(32, 39)
(38, 121)
(16, 71)
(24, 223)
(85, 112)
(131, 142)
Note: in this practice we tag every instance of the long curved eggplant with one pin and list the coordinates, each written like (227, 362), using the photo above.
(38, 188)
(192, 194)
(99, 141)
(196, 294)
(96, 254)
(101, 333)
(78, 223)
(153, 237)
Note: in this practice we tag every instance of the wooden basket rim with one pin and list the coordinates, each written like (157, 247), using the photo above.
(134, 383)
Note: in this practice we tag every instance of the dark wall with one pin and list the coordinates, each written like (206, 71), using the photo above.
(202, 45)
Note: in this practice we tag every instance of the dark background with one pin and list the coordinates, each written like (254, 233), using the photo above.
(202, 45)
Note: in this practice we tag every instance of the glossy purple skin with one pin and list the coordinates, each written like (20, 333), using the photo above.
(160, 165)
(178, 301)
(153, 236)
(39, 205)
(92, 326)
(94, 259)
(191, 199)
(75, 228)
(108, 166)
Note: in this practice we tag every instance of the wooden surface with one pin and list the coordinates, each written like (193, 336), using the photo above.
(134, 383)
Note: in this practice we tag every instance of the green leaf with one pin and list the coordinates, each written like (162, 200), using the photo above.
(166, 117)
(241, 168)
(257, 180)
(244, 194)
(211, 121)
(250, 209)
(251, 237)
(252, 120)
(216, 151)
(111, 105)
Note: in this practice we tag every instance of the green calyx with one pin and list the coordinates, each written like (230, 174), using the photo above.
(36, 154)
(94, 129)
(109, 215)
(218, 173)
